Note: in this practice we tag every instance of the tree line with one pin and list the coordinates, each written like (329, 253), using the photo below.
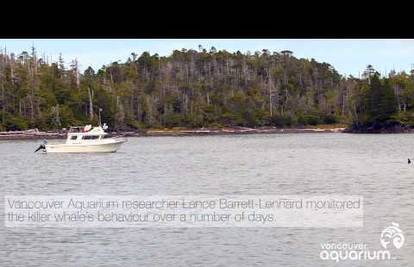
(198, 88)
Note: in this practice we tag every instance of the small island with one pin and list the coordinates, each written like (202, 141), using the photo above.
(199, 92)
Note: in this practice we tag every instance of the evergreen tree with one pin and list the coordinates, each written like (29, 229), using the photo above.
(379, 102)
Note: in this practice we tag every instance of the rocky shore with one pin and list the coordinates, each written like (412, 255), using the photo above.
(31, 134)
(380, 129)
(237, 130)
(36, 134)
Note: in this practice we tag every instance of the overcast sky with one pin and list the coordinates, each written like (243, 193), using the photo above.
(348, 56)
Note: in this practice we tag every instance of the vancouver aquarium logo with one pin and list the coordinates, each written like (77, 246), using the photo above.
(392, 235)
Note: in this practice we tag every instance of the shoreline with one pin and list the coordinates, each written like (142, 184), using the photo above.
(238, 131)
(35, 134)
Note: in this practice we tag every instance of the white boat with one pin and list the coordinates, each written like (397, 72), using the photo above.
(86, 139)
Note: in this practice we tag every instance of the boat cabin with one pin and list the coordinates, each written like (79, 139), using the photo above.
(77, 134)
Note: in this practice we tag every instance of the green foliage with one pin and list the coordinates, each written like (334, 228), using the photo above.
(382, 103)
(133, 124)
(405, 118)
(309, 119)
(15, 123)
(330, 119)
(378, 105)
(281, 121)
(206, 88)
(173, 120)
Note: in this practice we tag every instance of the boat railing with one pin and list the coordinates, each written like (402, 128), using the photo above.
(80, 129)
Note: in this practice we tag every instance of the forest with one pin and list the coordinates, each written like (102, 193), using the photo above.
(199, 88)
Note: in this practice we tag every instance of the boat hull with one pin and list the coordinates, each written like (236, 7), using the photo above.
(109, 147)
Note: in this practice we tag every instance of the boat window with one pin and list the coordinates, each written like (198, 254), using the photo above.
(74, 137)
(90, 137)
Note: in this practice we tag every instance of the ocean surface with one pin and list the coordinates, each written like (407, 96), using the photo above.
(373, 166)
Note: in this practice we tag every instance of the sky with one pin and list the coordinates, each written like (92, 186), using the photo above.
(347, 56)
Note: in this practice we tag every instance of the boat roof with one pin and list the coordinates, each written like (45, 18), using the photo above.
(82, 130)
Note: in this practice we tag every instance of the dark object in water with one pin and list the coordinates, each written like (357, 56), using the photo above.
(40, 147)
(409, 161)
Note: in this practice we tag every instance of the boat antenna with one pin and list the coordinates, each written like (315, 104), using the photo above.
(100, 122)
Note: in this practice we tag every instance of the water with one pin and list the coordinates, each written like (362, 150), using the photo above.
(374, 166)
